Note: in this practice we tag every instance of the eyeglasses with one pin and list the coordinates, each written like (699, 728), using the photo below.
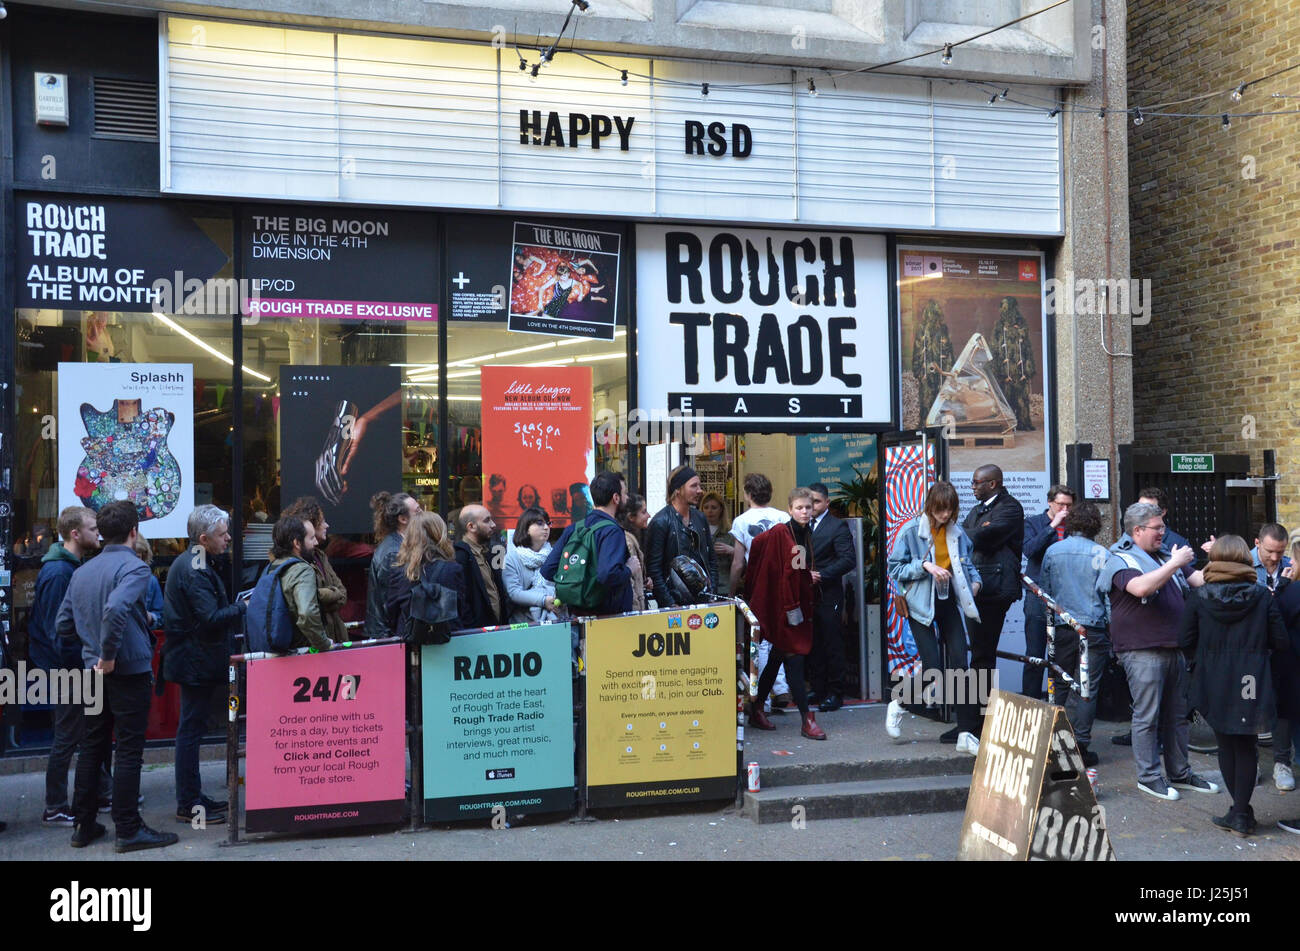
(1154, 528)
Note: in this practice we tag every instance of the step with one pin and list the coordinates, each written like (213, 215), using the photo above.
(910, 795)
(809, 774)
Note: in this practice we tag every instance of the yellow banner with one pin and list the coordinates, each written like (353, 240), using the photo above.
(661, 706)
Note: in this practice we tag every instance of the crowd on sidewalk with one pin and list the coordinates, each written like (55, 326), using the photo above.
(97, 604)
(1221, 642)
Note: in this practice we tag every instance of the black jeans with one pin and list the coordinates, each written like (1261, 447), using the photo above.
(1031, 681)
(986, 632)
(1238, 761)
(69, 728)
(793, 676)
(126, 714)
(196, 704)
(826, 665)
(948, 620)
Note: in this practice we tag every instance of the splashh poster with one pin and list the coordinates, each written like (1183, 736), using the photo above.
(126, 432)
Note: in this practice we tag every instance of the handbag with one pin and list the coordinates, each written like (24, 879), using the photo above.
(900, 606)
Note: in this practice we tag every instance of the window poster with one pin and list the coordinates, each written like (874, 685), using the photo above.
(127, 433)
(538, 445)
(341, 439)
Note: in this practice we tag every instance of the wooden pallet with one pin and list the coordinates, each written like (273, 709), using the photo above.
(983, 441)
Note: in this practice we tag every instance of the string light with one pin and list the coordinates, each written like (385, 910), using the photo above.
(625, 77)
(1003, 94)
(993, 98)
(812, 88)
(1238, 92)
(947, 54)
(704, 89)
(1227, 123)
(1137, 117)
(1054, 113)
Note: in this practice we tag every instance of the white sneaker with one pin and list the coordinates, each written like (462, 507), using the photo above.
(894, 720)
(968, 743)
(1283, 778)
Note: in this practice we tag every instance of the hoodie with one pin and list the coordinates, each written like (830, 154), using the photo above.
(45, 648)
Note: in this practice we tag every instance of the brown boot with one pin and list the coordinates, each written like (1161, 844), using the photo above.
(759, 719)
(811, 729)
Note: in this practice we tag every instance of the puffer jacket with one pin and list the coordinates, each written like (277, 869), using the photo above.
(199, 621)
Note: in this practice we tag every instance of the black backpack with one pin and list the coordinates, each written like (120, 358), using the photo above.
(433, 610)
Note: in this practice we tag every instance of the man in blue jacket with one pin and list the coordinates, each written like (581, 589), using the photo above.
(80, 536)
(105, 608)
(1041, 532)
(607, 493)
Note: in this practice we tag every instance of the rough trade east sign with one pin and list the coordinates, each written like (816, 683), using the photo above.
(749, 329)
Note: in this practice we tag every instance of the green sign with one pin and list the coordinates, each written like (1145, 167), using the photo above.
(498, 723)
(1191, 462)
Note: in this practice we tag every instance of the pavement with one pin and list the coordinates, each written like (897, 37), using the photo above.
(1141, 828)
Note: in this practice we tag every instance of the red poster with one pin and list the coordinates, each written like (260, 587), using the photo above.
(537, 442)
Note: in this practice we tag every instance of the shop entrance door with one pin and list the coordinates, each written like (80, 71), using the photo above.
(911, 463)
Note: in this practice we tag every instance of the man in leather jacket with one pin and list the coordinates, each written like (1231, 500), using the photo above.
(679, 528)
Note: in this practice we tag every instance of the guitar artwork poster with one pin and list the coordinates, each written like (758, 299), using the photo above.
(126, 431)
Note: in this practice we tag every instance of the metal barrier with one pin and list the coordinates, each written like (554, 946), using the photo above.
(1049, 662)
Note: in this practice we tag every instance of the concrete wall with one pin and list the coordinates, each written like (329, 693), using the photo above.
(1052, 48)
(1215, 227)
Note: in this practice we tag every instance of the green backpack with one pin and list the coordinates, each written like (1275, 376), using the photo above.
(575, 578)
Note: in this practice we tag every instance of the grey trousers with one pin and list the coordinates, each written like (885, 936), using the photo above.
(1157, 679)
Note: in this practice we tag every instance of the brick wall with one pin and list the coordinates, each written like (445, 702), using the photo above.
(1213, 369)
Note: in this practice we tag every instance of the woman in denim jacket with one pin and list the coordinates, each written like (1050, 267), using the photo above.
(1072, 574)
(930, 563)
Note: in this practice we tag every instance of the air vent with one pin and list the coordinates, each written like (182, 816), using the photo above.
(126, 108)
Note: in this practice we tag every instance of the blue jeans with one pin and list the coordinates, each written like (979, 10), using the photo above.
(1157, 679)
(1031, 681)
(196, 703)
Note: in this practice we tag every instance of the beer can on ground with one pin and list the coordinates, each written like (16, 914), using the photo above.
(753, 777)
(1092, 778)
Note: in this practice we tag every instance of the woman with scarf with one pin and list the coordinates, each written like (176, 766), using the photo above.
(1230, 627)
(779, 589)
(532, 597)
(930, 564)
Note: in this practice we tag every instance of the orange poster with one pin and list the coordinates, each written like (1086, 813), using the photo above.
(537, 442)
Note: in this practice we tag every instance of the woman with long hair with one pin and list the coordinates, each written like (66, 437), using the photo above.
(779, 589)
(425, 552)
(634, 517)
(333, 595)
(715, 513)
(930, 563)
(1230, 627)
(532, 597)
(393, 513)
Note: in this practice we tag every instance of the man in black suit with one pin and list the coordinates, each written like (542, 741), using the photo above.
(996, 528)
(833, 558)
(1041, 532)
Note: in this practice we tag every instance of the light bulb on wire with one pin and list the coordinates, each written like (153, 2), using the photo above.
(704, 89)
(1227, 123)
(1238, 93)
(1137, 117)
(812, 87)
(947, 54)
(625, 77)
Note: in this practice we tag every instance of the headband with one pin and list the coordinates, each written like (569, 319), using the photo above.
(684, 474)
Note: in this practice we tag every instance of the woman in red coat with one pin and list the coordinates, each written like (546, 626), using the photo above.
(779, 589)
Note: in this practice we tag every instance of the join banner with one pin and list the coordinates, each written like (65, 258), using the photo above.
(498, 723)
(326, 740)
(661, 707)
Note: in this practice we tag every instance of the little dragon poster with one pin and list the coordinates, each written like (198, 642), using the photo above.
(538, 446)
(126, 432)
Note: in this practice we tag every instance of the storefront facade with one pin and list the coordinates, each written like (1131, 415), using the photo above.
(349, 234)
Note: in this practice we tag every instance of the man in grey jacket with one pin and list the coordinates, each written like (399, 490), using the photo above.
(105, 608)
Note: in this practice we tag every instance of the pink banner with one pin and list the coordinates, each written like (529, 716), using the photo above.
(326, 739)
(341, 309)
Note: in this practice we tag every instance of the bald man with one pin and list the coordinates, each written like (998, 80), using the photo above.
(996, 527)
(481, 561)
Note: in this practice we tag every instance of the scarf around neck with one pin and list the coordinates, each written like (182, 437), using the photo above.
(1217, 571)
